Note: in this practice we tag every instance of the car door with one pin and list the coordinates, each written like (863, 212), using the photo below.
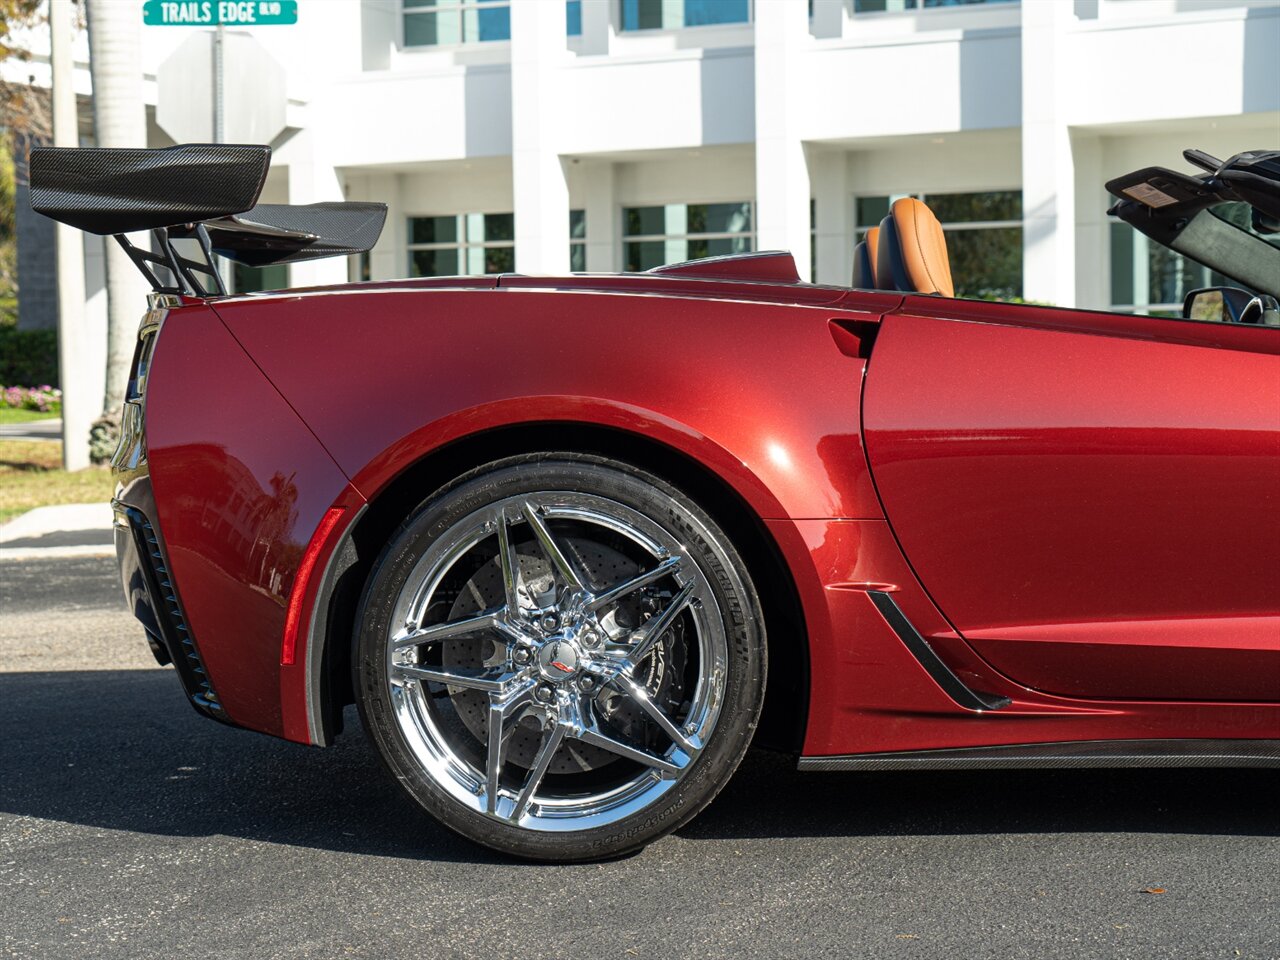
(1093, 500)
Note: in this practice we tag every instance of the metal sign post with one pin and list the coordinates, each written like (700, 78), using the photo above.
(219, 124)
(222, 264)
(219, 14)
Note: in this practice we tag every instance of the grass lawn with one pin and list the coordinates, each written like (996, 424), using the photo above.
(31, 475)
(11, 415)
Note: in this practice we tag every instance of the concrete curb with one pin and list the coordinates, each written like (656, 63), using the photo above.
(32, 430)
(66, 530)
(54, 553)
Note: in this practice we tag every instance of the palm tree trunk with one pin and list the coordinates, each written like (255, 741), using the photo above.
(119, 120)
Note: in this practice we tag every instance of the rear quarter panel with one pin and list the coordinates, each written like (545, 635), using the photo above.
(240, 484)
(757, 391)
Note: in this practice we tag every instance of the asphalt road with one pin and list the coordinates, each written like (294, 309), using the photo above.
(131, 827)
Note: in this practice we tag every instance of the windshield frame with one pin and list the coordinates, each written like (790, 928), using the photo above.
(1186, 214)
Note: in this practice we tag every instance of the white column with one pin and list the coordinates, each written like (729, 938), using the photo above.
(828, 18)
(603, 230)
(782, 174)
(80, 402)
(541, 192)
(94, 323)
(313, 180)
(389, 258)
(1139, 265)
(597, 31)
(1093, 245)
(833, 216)
(1048, 174)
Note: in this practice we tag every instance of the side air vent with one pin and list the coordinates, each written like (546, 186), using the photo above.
(168, 612)
(953, 686)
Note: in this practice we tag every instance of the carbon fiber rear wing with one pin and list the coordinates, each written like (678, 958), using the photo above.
(202, 192)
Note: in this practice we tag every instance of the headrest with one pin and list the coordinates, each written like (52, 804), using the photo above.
(912, 254)
(864, 261)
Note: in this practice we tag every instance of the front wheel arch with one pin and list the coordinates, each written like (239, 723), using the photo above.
(784, 719)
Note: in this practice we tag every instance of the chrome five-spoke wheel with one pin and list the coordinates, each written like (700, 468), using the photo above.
(549, 650)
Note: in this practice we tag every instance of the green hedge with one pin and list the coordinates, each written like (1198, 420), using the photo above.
(28, 358)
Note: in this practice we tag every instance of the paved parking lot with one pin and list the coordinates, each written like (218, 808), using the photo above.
(131, 827)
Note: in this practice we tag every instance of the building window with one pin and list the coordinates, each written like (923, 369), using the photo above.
(898, 6)
(246, 279)
(813, 239)
(433, 23)
(360, 267)
(577, 240)
(1149, 278)
(463, 245)
(653, 236)
(675, 14)
(984, 237)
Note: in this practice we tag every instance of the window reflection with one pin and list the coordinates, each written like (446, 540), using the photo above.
(675, 14)
(984, 237)
(674, 232)
(462, 245)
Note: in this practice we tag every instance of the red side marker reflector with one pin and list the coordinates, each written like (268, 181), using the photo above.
(293, 616)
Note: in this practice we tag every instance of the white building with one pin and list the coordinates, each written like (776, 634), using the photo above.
(544, 136)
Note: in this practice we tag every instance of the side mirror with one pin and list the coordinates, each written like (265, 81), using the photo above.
(1229, 305)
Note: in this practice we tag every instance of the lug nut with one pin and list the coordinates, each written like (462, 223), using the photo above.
(550, 622)
(522, 655)
(586, 684)
(545, 693)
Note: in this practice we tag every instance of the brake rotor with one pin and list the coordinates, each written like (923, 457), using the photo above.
(660, 674)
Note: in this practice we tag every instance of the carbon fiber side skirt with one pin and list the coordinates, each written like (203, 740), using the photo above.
(1080, 753)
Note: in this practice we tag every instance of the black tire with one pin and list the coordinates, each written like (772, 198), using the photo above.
(719, 569)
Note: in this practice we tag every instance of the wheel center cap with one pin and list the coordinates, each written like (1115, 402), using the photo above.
(558, 660)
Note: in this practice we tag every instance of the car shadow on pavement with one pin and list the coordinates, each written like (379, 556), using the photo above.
(768, 797)
(122, 750)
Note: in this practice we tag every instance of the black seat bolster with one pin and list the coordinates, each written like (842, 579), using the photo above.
(891, 271)
(864, 275)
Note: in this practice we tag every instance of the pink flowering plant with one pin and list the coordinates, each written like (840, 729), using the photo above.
(43, 399)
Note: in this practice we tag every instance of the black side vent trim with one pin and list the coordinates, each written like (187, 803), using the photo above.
(168, 613)
(953, 686)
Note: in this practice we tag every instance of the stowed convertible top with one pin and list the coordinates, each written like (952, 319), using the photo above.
(206, 192)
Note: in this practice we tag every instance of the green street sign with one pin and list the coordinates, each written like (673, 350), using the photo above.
(213, 13)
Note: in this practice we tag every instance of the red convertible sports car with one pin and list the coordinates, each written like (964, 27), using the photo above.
(571, 544)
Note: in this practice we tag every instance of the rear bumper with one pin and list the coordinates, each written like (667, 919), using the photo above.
(143, 560)
(152, 594)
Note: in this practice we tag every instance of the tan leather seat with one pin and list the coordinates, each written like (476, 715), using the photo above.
(912, 254)
(864, 261)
